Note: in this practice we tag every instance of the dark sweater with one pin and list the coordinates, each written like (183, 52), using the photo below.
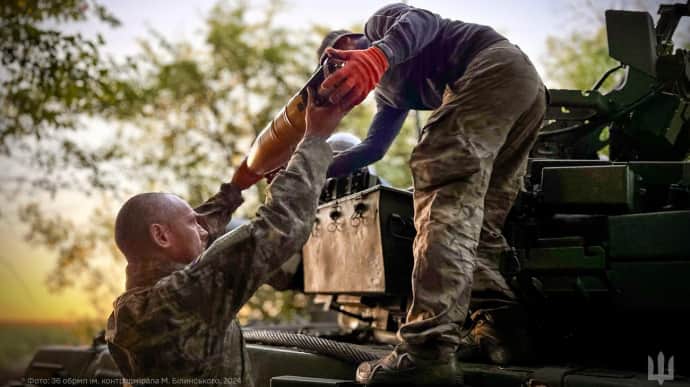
(426, 53)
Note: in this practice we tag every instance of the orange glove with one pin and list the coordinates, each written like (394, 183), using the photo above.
(362, 71)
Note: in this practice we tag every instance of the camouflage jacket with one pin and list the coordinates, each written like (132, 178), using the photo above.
(180, 327)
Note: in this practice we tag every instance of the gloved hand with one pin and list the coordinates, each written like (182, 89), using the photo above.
(351, 84)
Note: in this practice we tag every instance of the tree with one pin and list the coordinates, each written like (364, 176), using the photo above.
(177, 119)
(49, 80)
(188, 116)
(578, 60)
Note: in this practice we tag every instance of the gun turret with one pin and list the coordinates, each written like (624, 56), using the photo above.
(647, 116)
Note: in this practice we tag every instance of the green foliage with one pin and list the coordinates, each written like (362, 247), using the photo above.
(394, 167)
(179, 118)
(269, 306)
(50, 79)
(580, 59)
(577, 61)
(186, 117)
(50, 75)
(201, 109)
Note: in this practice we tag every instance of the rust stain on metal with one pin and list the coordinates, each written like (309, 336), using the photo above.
(346, 254)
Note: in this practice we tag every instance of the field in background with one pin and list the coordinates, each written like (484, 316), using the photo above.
(20, 340)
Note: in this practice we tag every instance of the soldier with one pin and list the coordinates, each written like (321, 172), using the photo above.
(176, 320)
(488, 103)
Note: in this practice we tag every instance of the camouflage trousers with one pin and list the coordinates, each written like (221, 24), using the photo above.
(468, 168)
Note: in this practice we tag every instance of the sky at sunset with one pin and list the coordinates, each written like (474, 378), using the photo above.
(23, 294)
(23, 268)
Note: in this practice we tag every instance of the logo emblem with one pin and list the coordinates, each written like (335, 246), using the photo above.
(664, 373)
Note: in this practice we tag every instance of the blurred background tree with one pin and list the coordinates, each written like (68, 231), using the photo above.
(176, 118)
(578, 60)
(179, 118)
(49, 79)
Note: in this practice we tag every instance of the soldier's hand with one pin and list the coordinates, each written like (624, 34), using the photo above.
(362, 71)
(322, 121)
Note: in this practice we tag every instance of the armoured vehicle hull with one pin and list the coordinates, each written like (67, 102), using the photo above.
(288, 366)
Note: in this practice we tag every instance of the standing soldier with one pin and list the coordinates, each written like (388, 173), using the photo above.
(488, 103)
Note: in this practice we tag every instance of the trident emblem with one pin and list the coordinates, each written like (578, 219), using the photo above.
(661, 376)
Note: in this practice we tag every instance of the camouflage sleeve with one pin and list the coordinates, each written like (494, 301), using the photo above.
(217, 211)
(286, 278)
(237, 263)
(383, 130)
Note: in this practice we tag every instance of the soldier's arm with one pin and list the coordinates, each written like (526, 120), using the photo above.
(383, 129)
(401, 31)
(216, 286)
(284, 223)
(217, 211)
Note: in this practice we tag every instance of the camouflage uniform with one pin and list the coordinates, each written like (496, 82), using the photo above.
(467, 168)
(178, 323)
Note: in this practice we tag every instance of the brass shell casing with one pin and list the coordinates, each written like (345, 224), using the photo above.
(275, 144)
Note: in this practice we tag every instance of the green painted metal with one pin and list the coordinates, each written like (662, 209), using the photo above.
(625, 26)
(644, 117)
(566, 258)
(268, 362)
(660, 172)
(652, 287)
(609, 188)
(657, 236)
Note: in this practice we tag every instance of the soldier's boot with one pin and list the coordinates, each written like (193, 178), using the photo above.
(499, 336)
(403, 366)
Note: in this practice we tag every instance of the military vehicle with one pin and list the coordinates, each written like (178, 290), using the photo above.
(601, 246)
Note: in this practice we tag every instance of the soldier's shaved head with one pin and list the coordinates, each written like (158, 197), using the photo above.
(136, 216)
